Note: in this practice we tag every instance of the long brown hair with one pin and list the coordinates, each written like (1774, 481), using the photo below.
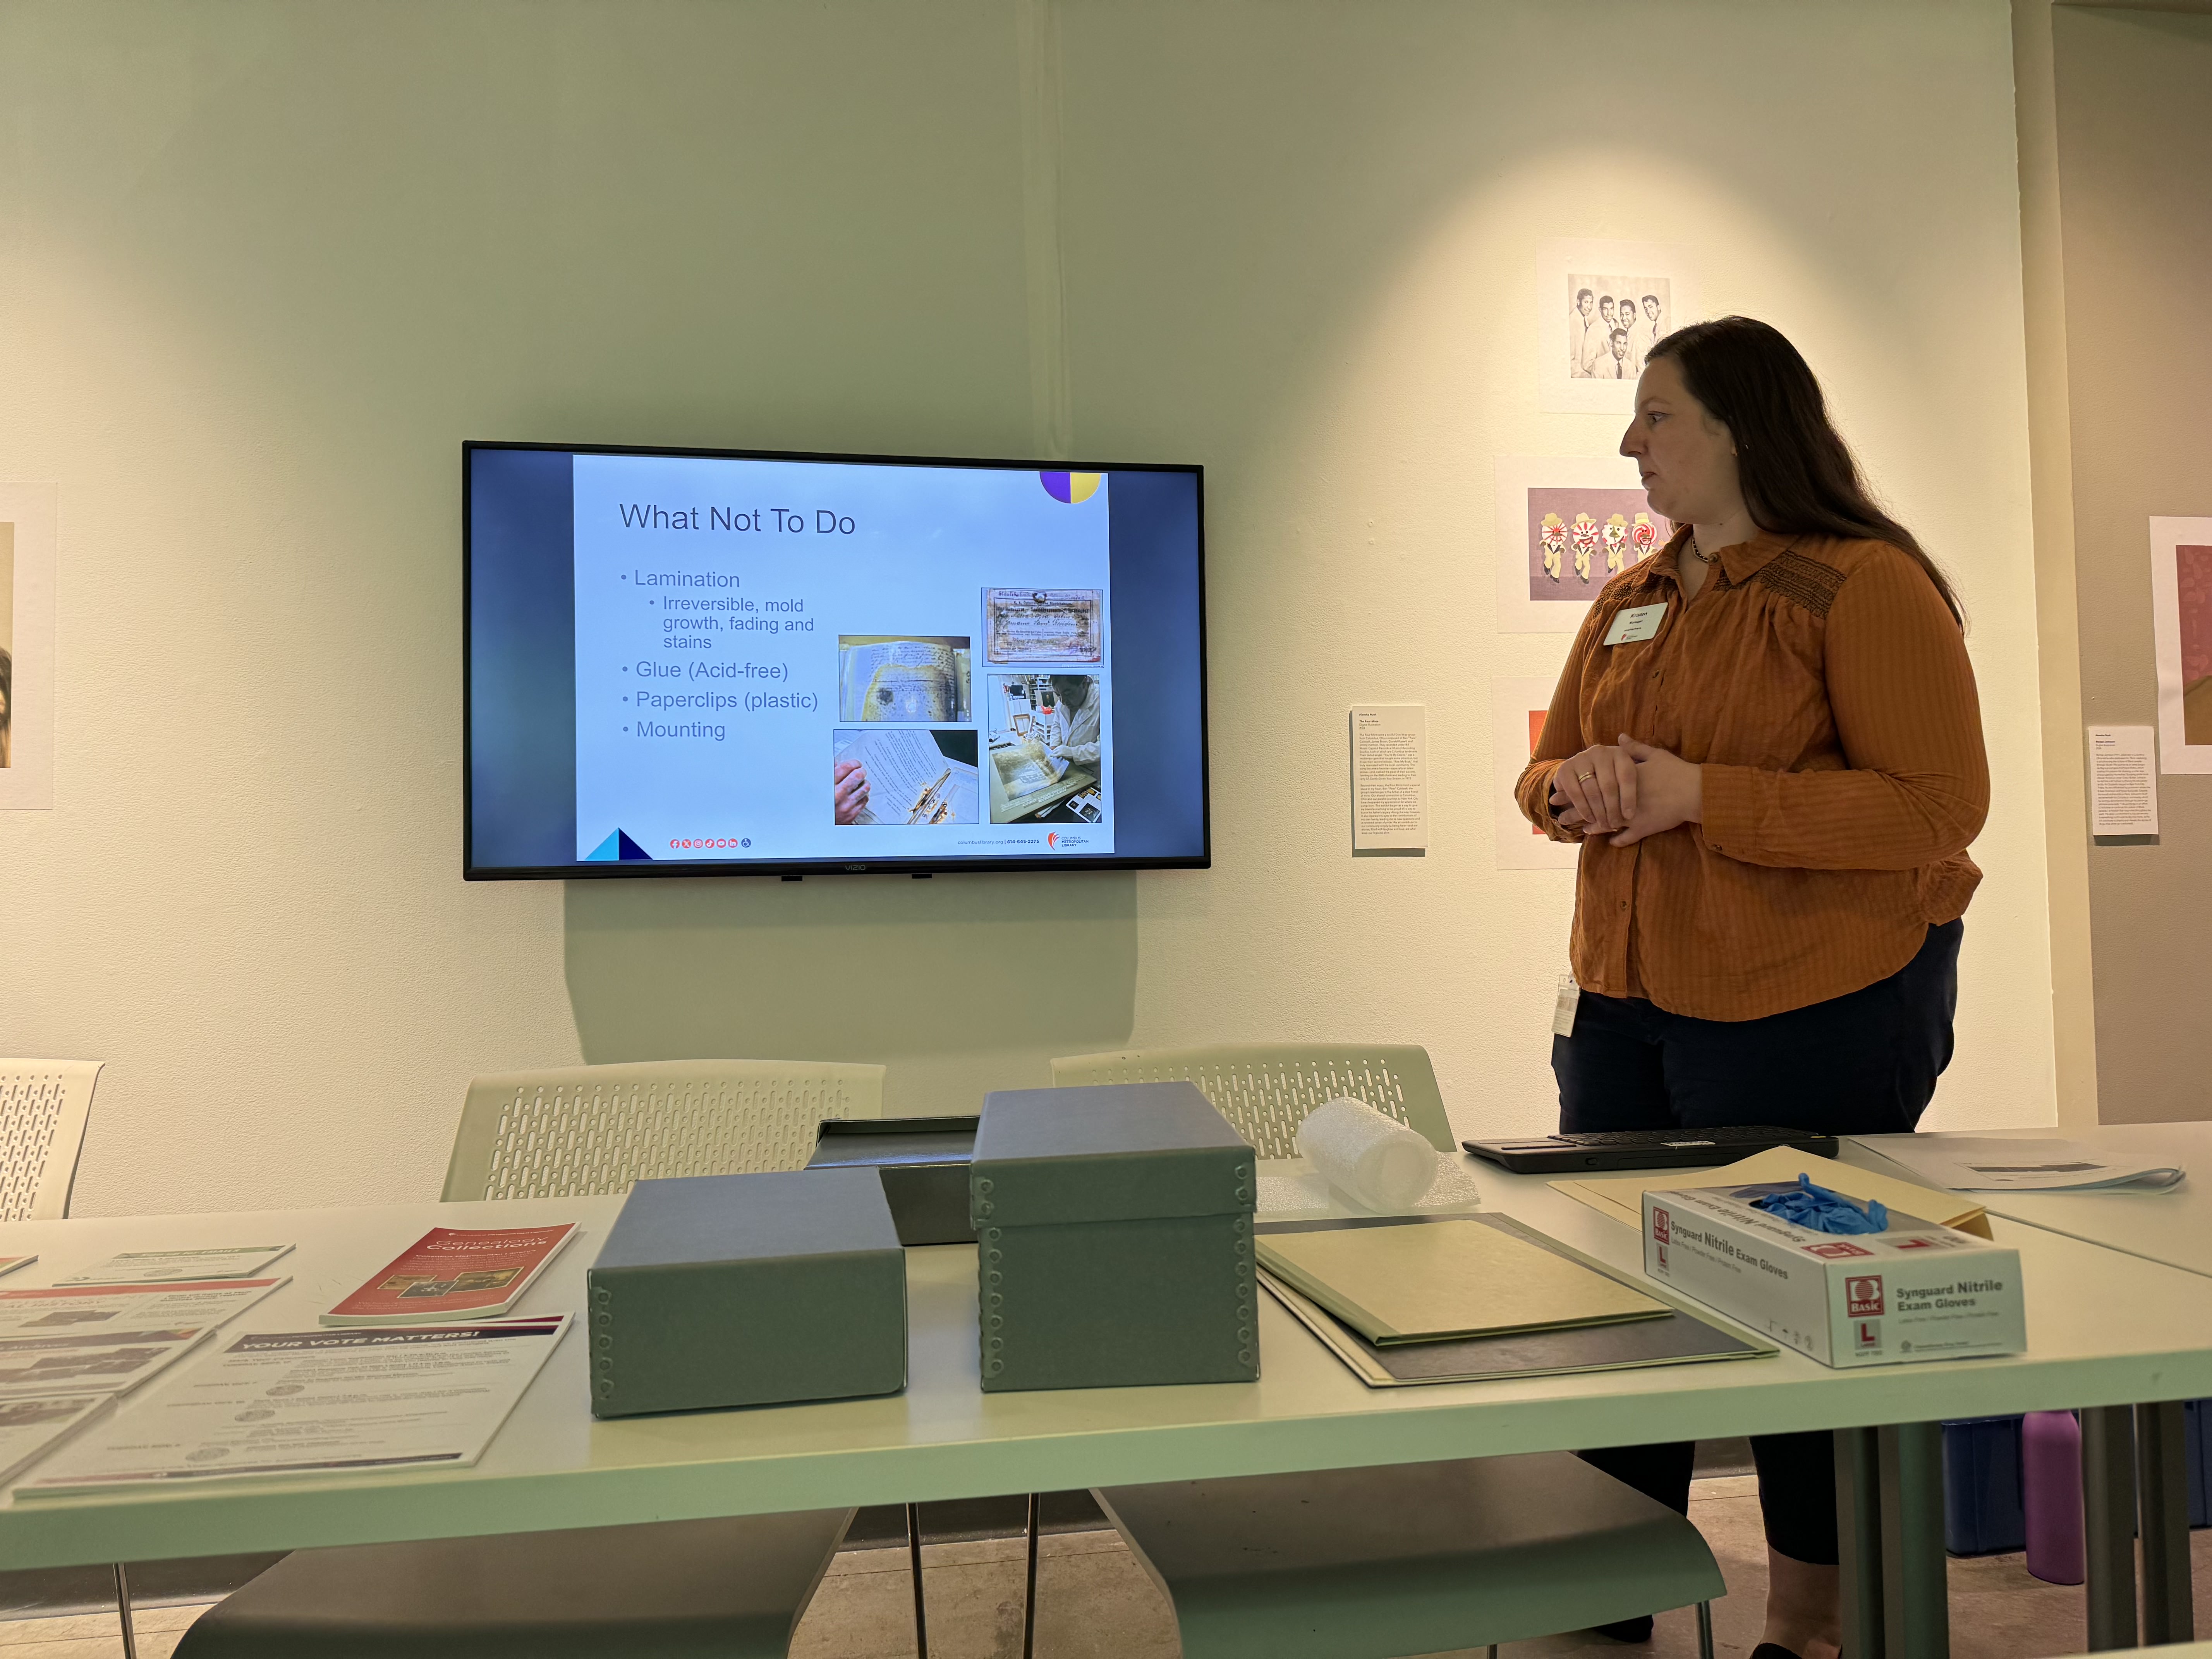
(1796, 472)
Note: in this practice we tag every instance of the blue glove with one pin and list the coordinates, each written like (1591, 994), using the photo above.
(1823, 1211)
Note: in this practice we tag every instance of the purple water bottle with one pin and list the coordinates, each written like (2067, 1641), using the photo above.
(2050, 1492)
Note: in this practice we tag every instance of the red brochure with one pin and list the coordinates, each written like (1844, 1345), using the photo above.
(449, 1273)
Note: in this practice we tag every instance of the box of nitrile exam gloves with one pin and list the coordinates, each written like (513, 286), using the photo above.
(1917, 1291)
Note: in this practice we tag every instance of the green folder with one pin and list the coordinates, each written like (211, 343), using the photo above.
(1418, 1283)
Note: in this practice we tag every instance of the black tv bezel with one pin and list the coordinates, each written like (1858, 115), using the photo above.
(800, 868)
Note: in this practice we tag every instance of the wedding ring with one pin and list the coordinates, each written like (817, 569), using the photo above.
(1584, 777)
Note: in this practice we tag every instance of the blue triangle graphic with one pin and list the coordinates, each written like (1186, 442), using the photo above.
(606, 852)
(629, 849)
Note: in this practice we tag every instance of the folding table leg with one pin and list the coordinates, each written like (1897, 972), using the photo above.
(914, 1558)
(1028, 1596)
(2108, 1497)
(1916, 1590)
(131, 1637)
(1858, 1530)
(2162, 1506)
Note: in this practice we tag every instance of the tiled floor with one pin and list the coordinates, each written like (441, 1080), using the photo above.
(1095, 1602)
(94, 1636)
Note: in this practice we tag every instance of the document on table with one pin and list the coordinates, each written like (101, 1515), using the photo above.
(110, 1338)
(1989, 1163)
(29, 1429)
(163, 1267)
(317, 1403)
(68, 1310)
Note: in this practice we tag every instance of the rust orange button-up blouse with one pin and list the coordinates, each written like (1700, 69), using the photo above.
(1825, 690)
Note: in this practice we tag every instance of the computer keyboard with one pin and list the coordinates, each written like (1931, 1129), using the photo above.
(1644, 1149)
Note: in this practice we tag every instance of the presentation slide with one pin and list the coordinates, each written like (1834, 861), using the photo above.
(787, 660)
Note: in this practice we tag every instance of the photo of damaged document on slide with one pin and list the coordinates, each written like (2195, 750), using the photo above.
(885, 776)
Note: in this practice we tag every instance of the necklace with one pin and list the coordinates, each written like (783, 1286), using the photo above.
(1699, 553)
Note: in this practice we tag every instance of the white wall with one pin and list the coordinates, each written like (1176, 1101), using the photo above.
(263, 266)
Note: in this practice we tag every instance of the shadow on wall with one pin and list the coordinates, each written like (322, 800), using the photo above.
(960, 984)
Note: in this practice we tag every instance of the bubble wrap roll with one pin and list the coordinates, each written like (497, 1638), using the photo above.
(1375, 1160)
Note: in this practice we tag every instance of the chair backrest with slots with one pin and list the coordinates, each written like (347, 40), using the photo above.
(585, 1129)
(1266, 1090)
(44, 1107)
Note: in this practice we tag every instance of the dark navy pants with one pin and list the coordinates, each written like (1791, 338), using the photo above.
(1862, 1064)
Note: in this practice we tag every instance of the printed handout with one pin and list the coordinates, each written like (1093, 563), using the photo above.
(910, 777)
(313, 1402)
(162, 1266)
(95, 1363)
(66, 1309)
(111, 1339)
(454, 1273)
(1044, 624)
(31, 1428)
(911, 678)
(2181, 627)
(1989, 1163)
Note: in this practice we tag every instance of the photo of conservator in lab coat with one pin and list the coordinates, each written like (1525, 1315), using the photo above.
(1044, 744)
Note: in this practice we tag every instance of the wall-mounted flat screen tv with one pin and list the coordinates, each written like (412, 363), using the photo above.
(712, 662)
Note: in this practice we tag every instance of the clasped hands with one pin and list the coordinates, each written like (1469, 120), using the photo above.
(1627, 791)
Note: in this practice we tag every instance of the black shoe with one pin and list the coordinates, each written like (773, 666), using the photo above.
(1771, 1651)
(1638, 1629)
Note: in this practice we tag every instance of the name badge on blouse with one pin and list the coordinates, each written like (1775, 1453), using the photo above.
(1641, 624)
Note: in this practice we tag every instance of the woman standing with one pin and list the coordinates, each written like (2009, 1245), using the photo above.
(1767, 741)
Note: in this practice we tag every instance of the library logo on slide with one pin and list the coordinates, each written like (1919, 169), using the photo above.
(1072, 487)
(1061, 841)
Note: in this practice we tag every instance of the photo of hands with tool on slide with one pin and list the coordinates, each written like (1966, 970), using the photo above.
(1626, 791)
(850, 780)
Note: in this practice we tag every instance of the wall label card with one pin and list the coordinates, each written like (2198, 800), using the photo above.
(1389, 777)
(2123, 781)
(27, 518)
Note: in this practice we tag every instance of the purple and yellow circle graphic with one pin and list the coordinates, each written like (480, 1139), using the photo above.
(1072, 487)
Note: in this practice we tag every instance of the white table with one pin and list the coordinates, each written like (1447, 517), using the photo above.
(2096, 1338)
(2134, 1458)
